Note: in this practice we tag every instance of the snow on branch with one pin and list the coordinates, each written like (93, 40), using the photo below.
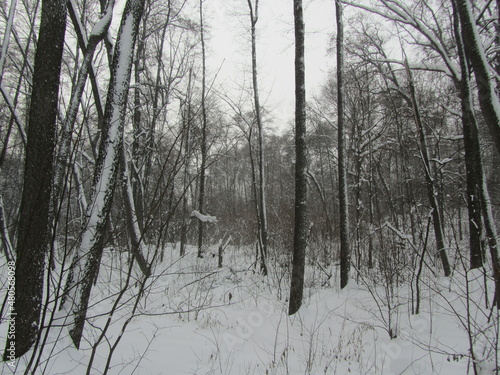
(204, 218)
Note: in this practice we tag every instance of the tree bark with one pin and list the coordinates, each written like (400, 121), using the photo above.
(254, 16)
(473, 163)
(345, 252)
(201, 196)
(187, 118)
(300, 223)
(33, 233)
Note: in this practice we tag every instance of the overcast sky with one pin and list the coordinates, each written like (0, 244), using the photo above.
(229, 48)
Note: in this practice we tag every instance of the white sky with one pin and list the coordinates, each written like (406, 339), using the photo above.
(229, 47)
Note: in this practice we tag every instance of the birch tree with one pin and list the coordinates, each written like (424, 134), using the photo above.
(300, 225)
(86, 260)
(33, 232)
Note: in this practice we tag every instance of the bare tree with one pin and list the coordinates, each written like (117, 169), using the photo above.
(345, 253)
(473, 163)
(262, 216)
(300, 225)
(201, 196)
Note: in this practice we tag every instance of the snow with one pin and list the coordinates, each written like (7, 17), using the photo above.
(198, 319)
(203, 218)
(102, 25)
(442, 161)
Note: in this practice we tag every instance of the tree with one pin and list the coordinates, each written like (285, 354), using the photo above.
(473, 163)
(345, 254)
(262, 211)
(86, 260)
(201, 196)
(33, 232)
(300, 224)
(469, 49)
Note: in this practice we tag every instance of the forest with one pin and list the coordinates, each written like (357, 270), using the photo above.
(159, 217)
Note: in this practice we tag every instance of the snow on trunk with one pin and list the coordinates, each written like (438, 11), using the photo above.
(88, 254)
(474, 49)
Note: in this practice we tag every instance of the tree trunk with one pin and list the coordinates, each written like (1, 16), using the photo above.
(345, 252)
(473, 153)
(201, 196)
(139, 142)
(86, 260)
(254, 16)
(134, 230)
(186, 129)
(33, 233)
(300, 224)
(473, 163)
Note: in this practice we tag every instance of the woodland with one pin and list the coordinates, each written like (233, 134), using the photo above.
(136, 190)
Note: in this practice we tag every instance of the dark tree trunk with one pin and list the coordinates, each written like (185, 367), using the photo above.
(473, 164)
(33, 233)
(345, 252)
(186, 130)
(139, 143)
(300, 225)
(201, 196)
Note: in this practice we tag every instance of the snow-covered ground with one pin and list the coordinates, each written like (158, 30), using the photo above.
(195, 318)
